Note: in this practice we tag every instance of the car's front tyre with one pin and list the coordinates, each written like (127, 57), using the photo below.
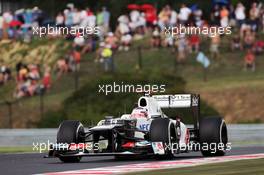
(70, 131)
(163, 130)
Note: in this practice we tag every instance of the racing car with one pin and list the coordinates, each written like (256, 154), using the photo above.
(146, 131)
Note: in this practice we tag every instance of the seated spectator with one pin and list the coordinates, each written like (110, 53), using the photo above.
(243, 30)
(32, 87)
(164, 17)
(98, 54)
(123, 26)
(107, 56)
(214, 48)
(198, 17)
(62, 67)
(23, 73)
(236, 43)
(89, 45)
(134, 17)
(111, 40)
(184, 14)
(106, 20)
(27, 38)
(125, 42)
(70, 62)
(194, 43)
(240, 14)
(5, 74)
(19, 65)
(173, 18)
(20, 90)
(224, 13)
(258, 47)
(156, 37)
(60, 20)
(182, 48)
(215, 15)
(249, 39)
(46, 80)
(168, 41)
(142, 23)
(78, 42)
(150, 16)
(91, 18)
(254, 14)
(77, 59)
(25, 88)
(250, 60)
(33, 72)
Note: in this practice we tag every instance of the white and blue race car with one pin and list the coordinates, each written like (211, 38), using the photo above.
(147, 131)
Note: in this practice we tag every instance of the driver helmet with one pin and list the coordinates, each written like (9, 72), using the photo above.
(139, 112)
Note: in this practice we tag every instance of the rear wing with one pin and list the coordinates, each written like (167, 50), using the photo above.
(176, 101)
(181, 101)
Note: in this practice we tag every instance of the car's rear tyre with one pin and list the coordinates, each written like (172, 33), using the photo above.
(163, 130)
(213, 133)
(70, 131)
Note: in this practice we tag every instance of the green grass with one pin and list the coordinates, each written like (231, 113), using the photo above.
(16, 149)
(223, 74)
(240, 167)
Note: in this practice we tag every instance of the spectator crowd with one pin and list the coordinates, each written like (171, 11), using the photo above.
(29, 81)
(139, 22)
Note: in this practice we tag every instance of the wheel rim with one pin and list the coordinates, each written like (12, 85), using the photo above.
(223, 133)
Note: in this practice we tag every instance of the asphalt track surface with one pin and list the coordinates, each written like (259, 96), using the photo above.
(34, 163)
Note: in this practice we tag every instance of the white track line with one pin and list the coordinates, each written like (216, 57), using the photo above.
(157, 165)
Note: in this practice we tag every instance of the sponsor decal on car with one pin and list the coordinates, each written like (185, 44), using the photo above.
(143, 143)
(158, 148)
(144, 127)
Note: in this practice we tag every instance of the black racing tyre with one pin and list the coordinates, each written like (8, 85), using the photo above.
(163, 130)
(70, 131)
(213, 133)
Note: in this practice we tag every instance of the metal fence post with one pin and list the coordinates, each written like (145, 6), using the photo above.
(76, 78)
(205, 74)
(175, 64)
(10, 112)
(41, 103)
(139, 57)
(113, 64)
